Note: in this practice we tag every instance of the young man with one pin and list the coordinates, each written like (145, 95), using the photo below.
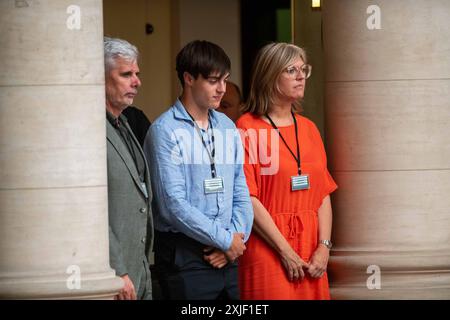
(203, 211)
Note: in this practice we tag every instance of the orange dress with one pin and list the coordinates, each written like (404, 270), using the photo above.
(261, 273)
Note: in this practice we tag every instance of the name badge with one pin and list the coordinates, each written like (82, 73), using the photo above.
(214, 185)
(144, 188)
(300, 182)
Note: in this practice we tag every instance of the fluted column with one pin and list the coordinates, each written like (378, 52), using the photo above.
(387, 101)
(53, 194)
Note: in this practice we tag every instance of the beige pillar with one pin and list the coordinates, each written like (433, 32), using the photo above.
(308, 35)
(53, 194)
(388, 131)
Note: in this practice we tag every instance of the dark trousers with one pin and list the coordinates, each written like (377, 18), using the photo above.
(183, 274)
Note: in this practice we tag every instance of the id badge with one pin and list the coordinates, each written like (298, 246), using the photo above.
(214, 185)
(300, 182)
(144, 188)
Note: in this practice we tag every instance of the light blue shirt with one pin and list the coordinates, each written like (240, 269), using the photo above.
(179, 165)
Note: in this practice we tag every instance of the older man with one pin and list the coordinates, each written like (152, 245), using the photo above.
(129, 192)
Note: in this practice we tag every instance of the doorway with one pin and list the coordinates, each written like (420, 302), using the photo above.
(262, 21)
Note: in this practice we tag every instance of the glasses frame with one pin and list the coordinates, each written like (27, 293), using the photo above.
(305, 69)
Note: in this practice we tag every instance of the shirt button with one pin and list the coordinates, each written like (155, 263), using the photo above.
(143, 210)
(143, 239)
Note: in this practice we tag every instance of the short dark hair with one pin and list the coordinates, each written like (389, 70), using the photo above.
(202, 57)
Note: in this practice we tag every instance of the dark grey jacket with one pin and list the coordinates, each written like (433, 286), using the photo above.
(130, 216)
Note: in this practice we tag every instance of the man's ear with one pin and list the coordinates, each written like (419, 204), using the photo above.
(188, 78)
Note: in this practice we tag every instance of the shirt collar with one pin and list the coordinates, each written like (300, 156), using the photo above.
(115, 121)
(181, 113)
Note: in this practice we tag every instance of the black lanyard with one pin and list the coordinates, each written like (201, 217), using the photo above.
(297, 158)
(213, 151)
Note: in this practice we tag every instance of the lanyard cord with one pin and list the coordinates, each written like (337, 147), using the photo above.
(297, 158)
(211, 154)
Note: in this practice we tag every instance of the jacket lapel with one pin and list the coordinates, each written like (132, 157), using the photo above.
(116, 141)
(147, 172)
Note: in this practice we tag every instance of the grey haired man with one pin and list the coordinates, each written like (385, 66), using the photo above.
(129, 191)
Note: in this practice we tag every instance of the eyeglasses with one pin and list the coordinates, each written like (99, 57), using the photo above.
(294, 72)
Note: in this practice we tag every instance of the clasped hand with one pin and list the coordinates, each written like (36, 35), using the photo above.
(218, 259)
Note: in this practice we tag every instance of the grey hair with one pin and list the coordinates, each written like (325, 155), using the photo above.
(115, 48)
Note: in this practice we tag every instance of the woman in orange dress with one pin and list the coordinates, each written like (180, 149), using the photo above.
(286, 170)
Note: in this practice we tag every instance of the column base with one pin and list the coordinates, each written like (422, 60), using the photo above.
(94, 286)
(402, 275)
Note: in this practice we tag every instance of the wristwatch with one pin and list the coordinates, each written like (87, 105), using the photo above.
(326, 243)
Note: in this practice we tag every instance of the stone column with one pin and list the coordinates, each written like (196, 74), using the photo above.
(308, 35)
(388, 130)
(53, 193)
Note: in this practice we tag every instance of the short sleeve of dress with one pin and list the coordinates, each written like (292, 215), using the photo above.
(251, 168)
(328, 184)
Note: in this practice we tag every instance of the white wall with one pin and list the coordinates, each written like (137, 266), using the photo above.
(218, 21)
(176, 22)
(127, 19)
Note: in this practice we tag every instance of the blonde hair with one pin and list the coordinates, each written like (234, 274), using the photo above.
(270, 63)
